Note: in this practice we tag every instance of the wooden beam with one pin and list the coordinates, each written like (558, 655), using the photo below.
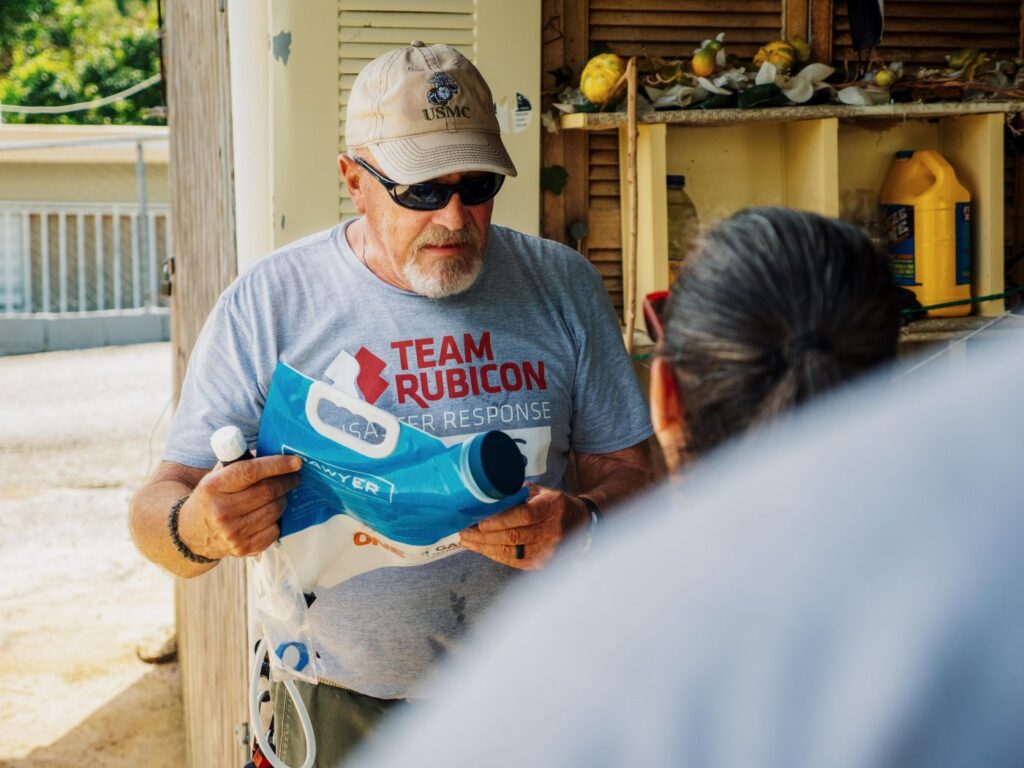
(552, 149)
(796, 19)
(629, 297)
(210, 610)
(565, 43)
(576, 24)
(821, 30)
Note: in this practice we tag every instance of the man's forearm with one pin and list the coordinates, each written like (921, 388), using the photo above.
(148, 515)
(610, 478)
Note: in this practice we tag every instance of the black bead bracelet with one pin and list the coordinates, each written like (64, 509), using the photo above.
(181, 546)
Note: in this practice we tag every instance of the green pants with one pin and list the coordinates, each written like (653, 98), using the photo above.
(341, 721)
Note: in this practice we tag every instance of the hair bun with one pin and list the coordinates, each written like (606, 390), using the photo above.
(800, 344)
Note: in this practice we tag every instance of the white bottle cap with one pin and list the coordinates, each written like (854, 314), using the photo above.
(228, 444)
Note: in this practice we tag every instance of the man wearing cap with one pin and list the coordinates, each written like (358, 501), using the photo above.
(453, 325)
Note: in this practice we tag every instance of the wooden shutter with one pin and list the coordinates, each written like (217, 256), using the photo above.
(924, 31)
(369, 28)
(674, 28)
(668, 28)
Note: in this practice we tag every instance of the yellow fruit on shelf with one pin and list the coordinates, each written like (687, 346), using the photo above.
(885, 77)
(963, 57)
(703, 64)
(780, 53)
(600, 77)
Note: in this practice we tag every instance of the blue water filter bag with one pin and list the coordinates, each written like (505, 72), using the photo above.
(409, 488)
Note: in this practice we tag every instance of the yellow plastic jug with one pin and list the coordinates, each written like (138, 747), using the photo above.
(928, 230)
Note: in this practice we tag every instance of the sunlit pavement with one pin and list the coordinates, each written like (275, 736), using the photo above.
(78, 433)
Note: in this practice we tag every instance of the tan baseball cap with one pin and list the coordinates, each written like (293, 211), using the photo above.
(424, 111)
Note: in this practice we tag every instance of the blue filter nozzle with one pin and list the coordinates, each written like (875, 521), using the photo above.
(496, 464)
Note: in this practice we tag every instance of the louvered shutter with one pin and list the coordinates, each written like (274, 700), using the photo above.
(672, 29)
(924, 31)
(368, 28)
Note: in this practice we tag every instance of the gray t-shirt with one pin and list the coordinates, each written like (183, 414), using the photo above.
(533, 348)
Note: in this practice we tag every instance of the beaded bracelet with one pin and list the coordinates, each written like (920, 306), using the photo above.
(181, 546)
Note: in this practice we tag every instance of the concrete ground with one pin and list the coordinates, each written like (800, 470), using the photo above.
(79, 431)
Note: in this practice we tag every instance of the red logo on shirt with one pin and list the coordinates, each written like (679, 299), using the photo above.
(369, 380)
(448, 368)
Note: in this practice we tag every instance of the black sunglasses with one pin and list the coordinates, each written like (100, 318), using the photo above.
(430, 196)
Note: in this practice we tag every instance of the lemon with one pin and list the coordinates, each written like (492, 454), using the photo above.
(885, 77)
(703, 64)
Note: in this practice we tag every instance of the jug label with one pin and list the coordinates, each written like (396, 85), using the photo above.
(963, 243)
(899, 232)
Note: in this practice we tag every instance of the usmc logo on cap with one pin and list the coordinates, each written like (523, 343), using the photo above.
(444, 90)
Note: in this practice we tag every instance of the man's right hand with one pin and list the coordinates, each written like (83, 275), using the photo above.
(234, 509)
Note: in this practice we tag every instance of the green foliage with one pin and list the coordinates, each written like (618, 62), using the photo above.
(59, 52)
(767, 95)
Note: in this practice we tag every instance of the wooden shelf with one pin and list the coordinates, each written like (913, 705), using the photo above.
(601, 121)
(915, 332)
(953, 328)
(812, 158)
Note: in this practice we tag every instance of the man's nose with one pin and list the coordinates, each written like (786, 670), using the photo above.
(453, 216)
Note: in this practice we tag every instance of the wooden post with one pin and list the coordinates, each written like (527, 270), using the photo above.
(795, 19)
(629, 286)
(210, 610)
(552, 219)
(565, 42)
(821, 30)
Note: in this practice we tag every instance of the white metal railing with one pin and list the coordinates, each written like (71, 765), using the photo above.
(76, 257)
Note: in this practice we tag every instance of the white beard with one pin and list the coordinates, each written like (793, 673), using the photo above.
(442, 282)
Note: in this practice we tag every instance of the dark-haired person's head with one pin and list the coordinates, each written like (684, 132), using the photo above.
(773, 307)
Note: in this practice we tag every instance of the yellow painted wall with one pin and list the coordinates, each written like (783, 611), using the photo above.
(117, 143)
(820, 165)
(508, 54)
(84, 173)
(728, 168)
(79, 182)
(303, 116)
(867, 149)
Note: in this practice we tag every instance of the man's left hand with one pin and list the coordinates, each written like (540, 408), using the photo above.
(537, 527)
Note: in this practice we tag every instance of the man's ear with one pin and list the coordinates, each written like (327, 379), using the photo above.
(667, 412)
(350, 172)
